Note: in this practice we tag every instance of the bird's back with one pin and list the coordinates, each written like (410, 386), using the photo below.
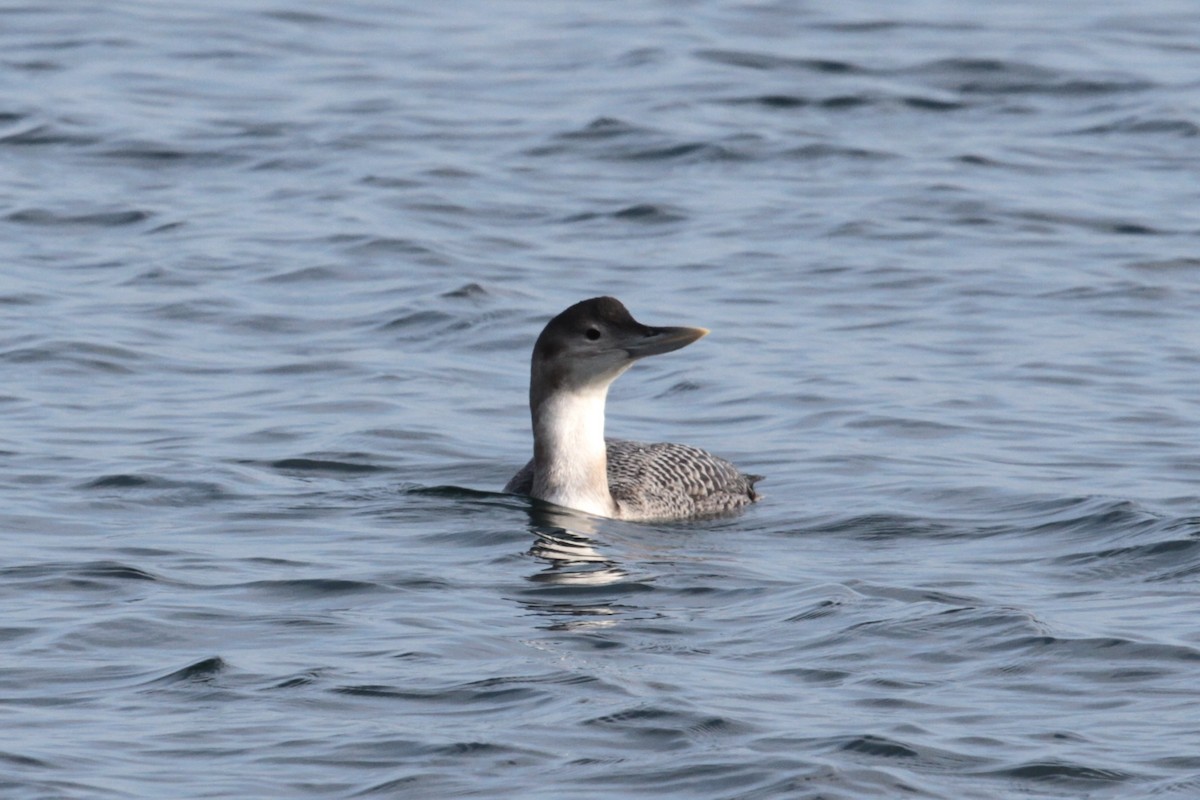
(664, 481)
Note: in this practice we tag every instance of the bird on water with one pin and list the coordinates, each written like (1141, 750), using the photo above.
(576, 358)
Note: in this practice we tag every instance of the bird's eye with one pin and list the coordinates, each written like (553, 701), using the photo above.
(593, 334)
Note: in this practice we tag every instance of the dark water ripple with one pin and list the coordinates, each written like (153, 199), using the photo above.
(270, 278)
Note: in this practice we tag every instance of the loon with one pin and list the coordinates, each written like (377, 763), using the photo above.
(576, 358)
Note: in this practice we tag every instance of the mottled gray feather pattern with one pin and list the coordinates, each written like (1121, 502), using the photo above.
(664, 481)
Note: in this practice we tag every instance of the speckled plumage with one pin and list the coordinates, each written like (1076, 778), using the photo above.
(664, 481)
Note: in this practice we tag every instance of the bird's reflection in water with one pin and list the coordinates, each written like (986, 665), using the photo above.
(567, 542)
(579, 583)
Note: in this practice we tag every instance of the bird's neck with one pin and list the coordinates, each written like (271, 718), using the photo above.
(570, 457)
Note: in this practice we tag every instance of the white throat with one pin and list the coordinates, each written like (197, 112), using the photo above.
(570, 454)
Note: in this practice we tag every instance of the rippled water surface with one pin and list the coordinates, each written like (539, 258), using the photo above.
(269, 277)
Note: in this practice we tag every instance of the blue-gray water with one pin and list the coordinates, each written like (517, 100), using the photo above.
(269, 277)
